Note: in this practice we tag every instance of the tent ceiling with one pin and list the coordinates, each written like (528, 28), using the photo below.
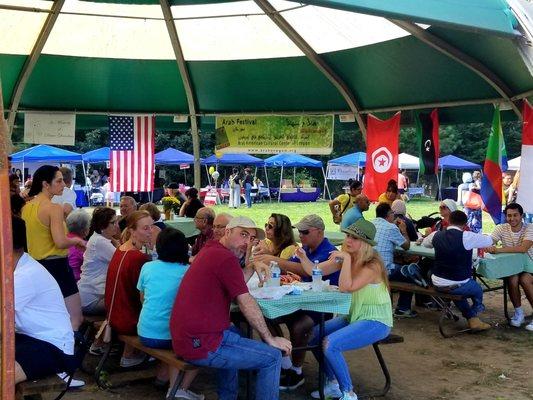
(240, 62)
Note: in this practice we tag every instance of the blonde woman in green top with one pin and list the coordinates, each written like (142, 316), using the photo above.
(370, 320)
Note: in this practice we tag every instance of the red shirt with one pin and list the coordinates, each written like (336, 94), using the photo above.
(201, 311)
(127, 304)
(201, 240)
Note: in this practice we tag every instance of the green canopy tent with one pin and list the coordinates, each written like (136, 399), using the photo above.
(260, 57)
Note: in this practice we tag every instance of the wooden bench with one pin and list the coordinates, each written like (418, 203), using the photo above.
(442, 299)
(166, 356)
(34, 389)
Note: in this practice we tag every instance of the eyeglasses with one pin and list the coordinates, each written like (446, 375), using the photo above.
(199, 218)
(219, 226)
(269, 226)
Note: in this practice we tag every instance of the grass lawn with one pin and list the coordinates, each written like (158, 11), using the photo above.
(260, 212)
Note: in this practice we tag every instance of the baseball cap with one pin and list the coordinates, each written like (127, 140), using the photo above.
(245, 222)
(362, 229)
(310, 221)
(452, 205)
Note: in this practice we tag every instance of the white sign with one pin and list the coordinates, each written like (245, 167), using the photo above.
(347, 118)
(341, 172)
(45, 128)
(185, 166)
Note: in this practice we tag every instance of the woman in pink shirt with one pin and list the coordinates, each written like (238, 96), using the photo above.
(78, 222)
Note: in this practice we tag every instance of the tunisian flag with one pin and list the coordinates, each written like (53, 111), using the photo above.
(525, 187)
(382, 139)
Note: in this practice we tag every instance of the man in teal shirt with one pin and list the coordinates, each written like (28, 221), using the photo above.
(356, 212)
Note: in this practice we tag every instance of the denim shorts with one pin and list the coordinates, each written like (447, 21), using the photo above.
(156, 343)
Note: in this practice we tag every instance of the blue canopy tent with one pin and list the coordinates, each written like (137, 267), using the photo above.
(453, 162)
(43, 153)
(354, 159)
(293, 160)
(97, 156)
(172, 156)
(234, 159)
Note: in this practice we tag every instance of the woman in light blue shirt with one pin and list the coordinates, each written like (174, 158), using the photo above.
(158, 285)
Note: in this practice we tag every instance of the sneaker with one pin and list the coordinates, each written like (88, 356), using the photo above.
(348, 396)
(132, 362)
(517, 320)
(529, 327)
(331, 389)
(405, 313)
(74, 383)
(187, 394)
(291, 380)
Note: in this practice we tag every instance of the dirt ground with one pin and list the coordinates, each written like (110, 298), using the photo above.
(491, 365)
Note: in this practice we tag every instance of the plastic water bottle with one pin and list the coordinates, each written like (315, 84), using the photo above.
(154, 254)
(275, 274)
(317, 278)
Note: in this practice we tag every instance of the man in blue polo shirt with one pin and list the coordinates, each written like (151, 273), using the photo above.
(300, 324)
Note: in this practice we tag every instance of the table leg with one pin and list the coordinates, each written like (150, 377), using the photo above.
(321, 359)
(505, 309)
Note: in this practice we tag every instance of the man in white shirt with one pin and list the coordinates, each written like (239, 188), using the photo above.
(44, 340)
(516, 237)
(452, 270)
(68, 197)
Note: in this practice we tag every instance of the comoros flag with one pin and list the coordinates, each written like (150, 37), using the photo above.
(525, 187)
(495, 164)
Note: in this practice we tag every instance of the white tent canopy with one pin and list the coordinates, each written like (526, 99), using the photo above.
(407, 161)
(514, 164)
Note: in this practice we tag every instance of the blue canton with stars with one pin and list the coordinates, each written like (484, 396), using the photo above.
(121, 133)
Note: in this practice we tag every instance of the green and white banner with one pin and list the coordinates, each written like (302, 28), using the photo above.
(304, 134)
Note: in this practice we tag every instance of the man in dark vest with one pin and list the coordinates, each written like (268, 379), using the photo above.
(452, 271)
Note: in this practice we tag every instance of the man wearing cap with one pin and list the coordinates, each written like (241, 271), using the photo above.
(200, 320)
(300, 324)
(390, 233)
(452, 270)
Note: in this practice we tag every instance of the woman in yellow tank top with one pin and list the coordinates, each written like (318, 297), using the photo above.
(370, 320)
(47, 239)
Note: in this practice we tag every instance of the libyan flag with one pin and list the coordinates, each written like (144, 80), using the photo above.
(427, 129)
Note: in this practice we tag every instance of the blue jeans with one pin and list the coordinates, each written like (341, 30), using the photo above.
(341, 336)
(248, 194)
(472, 290)
(235, 353)
(405, 298)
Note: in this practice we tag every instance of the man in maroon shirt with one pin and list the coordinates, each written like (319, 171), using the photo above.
(200, 320)
(204, 223)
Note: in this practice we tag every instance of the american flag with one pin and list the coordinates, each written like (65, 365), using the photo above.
(132, 153)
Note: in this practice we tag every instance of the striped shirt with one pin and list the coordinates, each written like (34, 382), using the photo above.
(503, 233)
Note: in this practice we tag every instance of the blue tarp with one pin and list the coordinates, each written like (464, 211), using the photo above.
(453, 162)
(358, 158)
(97, 156)
(292, 160)
(233, 159)
(172, 156)
(43, 153)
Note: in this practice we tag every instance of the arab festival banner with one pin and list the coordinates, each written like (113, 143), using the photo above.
(270, 134)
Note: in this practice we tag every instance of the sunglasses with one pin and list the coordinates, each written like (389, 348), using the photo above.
(304, 232)
(269, 226)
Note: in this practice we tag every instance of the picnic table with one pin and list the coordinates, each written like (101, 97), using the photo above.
(322, 302)
(185, 225)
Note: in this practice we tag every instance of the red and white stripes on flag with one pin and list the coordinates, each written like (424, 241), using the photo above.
(132, 153)
(525, 187)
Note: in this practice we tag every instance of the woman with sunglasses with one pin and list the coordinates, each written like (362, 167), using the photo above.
(279, 239)
(370, 318)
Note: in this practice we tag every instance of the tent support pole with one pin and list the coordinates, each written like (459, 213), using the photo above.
(326, 182)
(317, 61)
(30, 63)
(7, 321)
(208, 177)
(84, 180)
(280, 181)
(462, 58)
(324, 189)
(268, 185)
(187, 85)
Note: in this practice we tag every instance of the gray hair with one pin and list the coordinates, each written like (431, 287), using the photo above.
(78, 221)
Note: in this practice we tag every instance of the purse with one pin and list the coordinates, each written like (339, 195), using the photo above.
(473, 200)
(105, 333)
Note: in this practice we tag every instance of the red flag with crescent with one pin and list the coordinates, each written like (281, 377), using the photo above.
(382, 142)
